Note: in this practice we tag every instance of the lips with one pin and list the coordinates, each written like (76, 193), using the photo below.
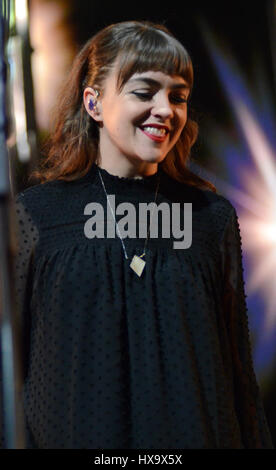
(157, 126)
(156, 138)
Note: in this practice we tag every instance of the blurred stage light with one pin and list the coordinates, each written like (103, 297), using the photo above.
(251, 187)
(52, 40)
(21, 16)
(17, 98)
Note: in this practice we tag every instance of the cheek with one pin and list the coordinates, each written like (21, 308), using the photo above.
(112, 122)
(118, 120)
(120, 131)
(182, 122)
(181, 125)
(183, 117)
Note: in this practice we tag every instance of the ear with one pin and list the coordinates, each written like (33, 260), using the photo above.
(89, 94)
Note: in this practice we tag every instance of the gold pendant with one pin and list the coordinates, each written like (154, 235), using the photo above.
(137, 264)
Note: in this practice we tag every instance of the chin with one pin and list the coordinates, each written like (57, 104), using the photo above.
(153, 158)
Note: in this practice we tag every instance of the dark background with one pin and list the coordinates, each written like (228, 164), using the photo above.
(243, 26)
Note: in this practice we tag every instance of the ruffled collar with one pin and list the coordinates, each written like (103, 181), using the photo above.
(120, 182)
(122, 179)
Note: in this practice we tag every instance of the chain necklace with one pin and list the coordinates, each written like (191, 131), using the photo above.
(137, 263)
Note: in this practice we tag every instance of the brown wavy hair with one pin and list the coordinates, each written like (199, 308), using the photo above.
(138, 46)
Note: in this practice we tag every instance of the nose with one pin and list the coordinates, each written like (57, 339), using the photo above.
(162, 106)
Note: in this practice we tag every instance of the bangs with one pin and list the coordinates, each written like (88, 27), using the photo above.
(153, 50)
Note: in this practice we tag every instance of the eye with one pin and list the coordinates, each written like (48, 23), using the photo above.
(143, 96)
(148, 96)
(179, 99)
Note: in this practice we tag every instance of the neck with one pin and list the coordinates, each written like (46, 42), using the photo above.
(125, 168)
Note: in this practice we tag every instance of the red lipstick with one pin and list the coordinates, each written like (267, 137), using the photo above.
(154, 137)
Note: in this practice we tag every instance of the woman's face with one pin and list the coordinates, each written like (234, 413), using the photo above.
(144, 121)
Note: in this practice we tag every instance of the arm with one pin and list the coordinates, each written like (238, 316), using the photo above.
(248, 402)
(26, 237)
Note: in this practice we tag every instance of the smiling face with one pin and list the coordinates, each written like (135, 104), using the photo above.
(129, 120)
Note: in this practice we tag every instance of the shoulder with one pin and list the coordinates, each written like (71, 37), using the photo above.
(217, 204)
(44, 200)
(216, 212)
(206, 203)
(33, 199)
(211, 211)
(57, 202)
(40, 191)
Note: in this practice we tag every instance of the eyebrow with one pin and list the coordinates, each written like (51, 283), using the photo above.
(151, 81)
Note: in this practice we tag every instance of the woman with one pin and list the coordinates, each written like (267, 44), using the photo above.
(129, 342)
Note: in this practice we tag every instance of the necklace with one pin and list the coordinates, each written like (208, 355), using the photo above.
(137, 263)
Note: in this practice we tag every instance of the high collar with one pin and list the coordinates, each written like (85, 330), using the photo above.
(119, 182)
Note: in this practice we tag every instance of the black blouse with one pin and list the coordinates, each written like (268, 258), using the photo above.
(117, 361)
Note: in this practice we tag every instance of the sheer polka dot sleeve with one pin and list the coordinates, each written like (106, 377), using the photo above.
(26, 236)
(248, 401)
